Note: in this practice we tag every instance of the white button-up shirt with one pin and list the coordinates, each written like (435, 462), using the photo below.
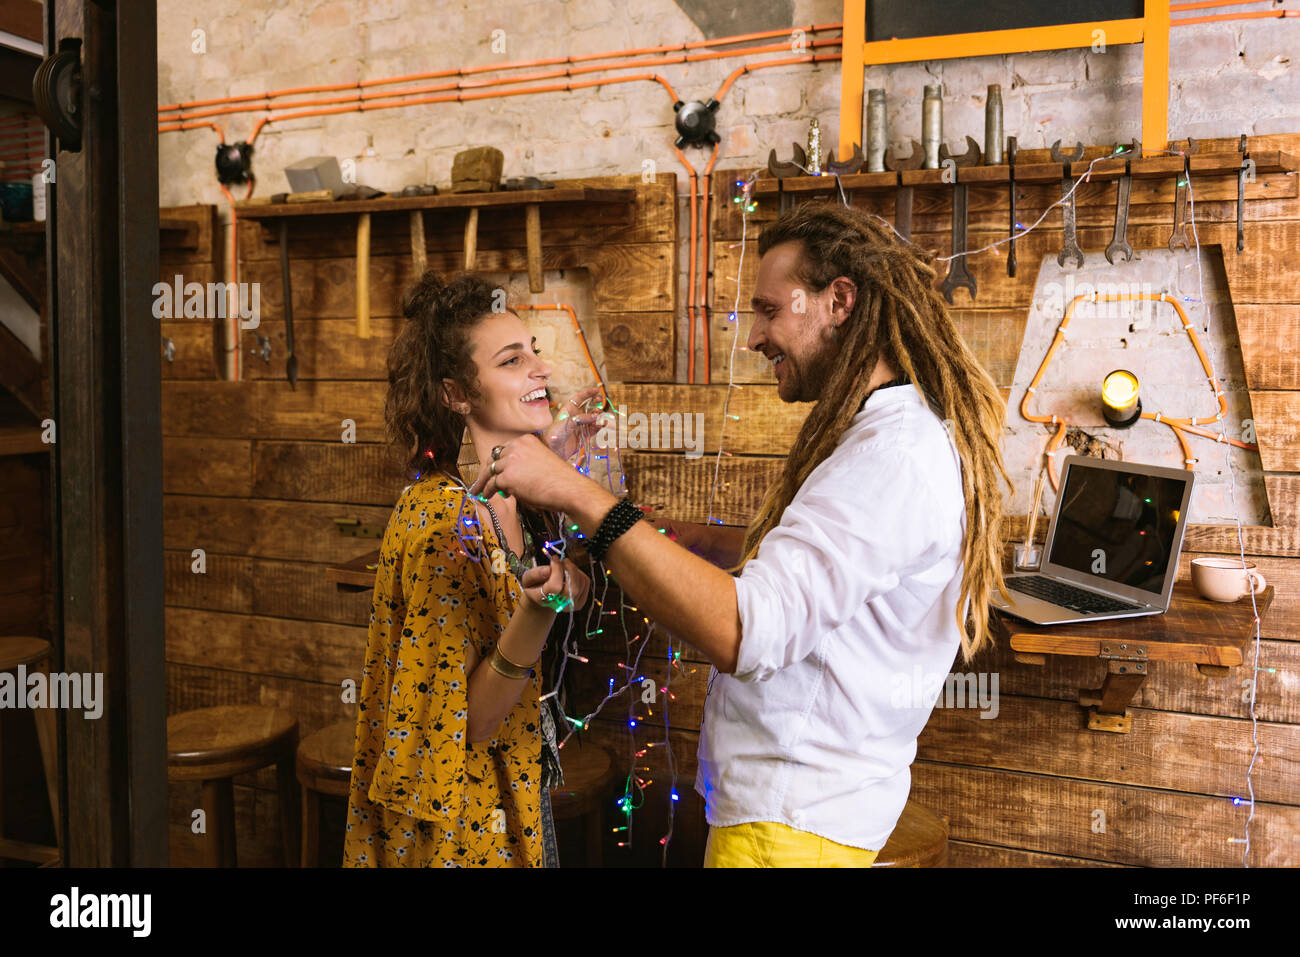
(847, 600)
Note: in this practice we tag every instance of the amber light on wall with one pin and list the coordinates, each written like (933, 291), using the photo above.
(1119, 399)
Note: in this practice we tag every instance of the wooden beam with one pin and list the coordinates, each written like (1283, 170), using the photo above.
(102, 256)
(1155, 76)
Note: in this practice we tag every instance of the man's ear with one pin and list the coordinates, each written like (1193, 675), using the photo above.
(844, 294)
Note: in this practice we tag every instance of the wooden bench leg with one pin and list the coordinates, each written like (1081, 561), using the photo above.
(290, 809)
(219, 809)
(310, 828)
(47, 736)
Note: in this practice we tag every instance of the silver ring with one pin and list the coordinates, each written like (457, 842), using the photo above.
(497, 450)
(492, 466)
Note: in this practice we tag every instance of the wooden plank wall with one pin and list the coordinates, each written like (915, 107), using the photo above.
(255, 472)
(1023, 789)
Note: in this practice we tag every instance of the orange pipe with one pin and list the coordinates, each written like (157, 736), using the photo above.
(1217, 18)
(519, 64)
(704, 259)
(359, 97)
(460, 97)
(1214, 3)
(690, 283)
(582, 338)
(1178, 425)
(237, 363)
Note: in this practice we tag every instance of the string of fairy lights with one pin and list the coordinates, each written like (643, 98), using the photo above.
(638, 630)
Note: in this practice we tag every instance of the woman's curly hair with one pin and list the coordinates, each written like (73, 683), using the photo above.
(433, 345)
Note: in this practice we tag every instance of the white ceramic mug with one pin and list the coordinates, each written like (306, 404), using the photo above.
(1223, 579)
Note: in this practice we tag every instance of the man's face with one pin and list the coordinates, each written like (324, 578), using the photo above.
(795, 327)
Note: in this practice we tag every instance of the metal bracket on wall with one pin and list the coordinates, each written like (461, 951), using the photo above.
(353, 528)
(1107, 706)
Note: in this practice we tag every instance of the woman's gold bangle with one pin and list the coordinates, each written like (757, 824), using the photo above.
(507, 668)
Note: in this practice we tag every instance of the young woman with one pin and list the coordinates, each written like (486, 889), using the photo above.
(454, 753)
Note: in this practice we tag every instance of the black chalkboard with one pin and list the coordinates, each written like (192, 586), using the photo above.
(887, 19)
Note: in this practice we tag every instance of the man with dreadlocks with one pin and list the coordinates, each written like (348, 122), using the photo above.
(871, 559)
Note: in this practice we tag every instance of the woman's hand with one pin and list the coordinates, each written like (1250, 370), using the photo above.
(545, 586)
(573, 426)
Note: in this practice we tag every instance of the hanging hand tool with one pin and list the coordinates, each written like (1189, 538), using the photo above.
(851, 165)
(291, 363)
(1119, 240)
(1011, 169)
(903, 202)
(1070, 249)
(958, 274)
(1241, 193)
(1179, 236)
(782, 171)
(363, 276)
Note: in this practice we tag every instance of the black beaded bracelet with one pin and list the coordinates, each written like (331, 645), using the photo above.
(618, 520)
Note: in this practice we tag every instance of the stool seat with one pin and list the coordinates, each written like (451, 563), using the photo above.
(27, 651)
(589, 776)
(212, 745)
(325, 758)
(324, 766)
(18, 650)
(227, 740)
(919, 839)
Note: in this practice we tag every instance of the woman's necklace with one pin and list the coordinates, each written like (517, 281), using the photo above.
(517, 567)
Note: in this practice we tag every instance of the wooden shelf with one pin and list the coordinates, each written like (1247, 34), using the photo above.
(356, 574)
(1214, 636)
(21, 440)
(393, 204)
(1151, 167)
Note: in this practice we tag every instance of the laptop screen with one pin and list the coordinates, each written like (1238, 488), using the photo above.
(1118, 525)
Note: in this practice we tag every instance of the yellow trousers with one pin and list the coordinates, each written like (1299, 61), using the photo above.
(768, 844)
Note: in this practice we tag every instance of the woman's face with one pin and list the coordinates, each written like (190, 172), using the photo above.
(511, 376)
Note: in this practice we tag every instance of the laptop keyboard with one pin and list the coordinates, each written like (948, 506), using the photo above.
(1067, 596)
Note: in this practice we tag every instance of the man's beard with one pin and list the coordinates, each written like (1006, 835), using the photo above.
(815, 372)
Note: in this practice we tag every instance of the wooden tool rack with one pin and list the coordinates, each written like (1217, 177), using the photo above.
(1035, 172)
(532, 201)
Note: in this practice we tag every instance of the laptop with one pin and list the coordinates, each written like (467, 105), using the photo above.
(1112, 546)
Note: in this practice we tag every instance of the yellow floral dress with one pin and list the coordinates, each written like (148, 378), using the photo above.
(422, 794)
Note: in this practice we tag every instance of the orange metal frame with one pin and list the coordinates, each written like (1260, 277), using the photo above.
(1151, 30)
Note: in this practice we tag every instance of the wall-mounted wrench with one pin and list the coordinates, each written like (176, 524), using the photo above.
(1070, 249)
(1011, 169)
(958, 274)
(1119, 240)
(1246, 167)
(1179, 236)
(903, 201)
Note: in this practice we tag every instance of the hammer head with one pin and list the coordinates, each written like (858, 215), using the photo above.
(971, 157)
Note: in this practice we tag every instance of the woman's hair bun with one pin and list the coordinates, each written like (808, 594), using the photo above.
(421, 300)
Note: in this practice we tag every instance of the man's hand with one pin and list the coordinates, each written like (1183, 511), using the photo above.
(534, 474)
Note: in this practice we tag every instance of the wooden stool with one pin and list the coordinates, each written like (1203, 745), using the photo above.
(588, 778)
(35, 655)
(920, 839)
(212, 745)
(324, 767)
